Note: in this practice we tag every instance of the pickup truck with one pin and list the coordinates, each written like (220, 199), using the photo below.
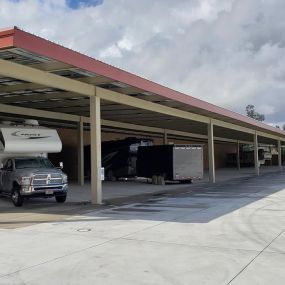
(27, 177)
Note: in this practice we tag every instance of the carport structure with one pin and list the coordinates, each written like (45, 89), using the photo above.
(44, 80)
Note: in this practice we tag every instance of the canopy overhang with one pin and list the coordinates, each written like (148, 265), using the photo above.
(44, 80)
(125, 96)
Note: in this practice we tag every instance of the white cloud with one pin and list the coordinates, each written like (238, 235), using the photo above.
(228, 52)
(126, 44)
(266, 109)
(111, 52)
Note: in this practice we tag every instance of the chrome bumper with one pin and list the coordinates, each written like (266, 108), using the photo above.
(43, 189)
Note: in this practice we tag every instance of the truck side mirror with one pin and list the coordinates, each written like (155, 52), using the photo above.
(61, 165)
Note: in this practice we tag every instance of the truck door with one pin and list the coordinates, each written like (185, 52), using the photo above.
(6, 178)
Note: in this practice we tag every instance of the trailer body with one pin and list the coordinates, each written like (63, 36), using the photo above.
(118, 157)
(173, 162)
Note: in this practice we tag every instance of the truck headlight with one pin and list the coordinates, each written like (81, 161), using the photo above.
(26, 189)
(64, 178)
(26, 181)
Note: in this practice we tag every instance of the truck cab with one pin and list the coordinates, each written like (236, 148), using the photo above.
(27, 177)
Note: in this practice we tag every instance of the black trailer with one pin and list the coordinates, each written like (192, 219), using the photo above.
(118, 157)
(170, 162)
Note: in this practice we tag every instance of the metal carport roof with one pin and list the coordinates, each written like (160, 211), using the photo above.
(43, 79)
(27, 49)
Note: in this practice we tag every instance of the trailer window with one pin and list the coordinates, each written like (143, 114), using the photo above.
(33, 163)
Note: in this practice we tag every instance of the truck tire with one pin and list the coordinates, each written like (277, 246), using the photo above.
(154, 179)
(60, 199)
(16, 197)
(188, 181)
(160, 180)
(110, 176)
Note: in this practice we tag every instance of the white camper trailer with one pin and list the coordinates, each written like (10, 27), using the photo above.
(28, 139)
(25, 168)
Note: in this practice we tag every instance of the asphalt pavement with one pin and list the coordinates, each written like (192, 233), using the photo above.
(232, 232)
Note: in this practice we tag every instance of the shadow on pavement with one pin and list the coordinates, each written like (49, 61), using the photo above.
(195, 203)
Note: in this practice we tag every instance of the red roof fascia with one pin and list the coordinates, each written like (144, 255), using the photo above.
(57, 52)
(7, 37)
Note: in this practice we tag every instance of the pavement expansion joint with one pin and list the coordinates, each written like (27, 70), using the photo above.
(248, 264)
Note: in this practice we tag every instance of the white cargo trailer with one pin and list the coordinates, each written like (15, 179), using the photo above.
(171, 162)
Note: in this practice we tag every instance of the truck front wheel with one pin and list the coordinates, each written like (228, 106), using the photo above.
(60, 199)
(16, 197)
(188, 181)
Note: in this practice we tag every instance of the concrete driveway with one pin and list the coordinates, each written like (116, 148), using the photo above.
(229, 233)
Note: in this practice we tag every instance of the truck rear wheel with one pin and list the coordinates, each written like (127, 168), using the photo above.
(188, 181)
(110, 176)
(160, 180)
(154, 179)
(60, 199)
(17, 198)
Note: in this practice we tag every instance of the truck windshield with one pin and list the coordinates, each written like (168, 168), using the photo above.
(33, 163)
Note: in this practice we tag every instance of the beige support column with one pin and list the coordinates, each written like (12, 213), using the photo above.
(256, 162)
(238, 156)
(211, 151)
(165, 140)
(95, 135)
(80, 152)
(279, 155)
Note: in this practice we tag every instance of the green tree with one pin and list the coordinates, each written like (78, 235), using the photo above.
(250, 112)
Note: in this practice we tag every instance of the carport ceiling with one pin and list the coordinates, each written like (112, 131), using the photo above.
(26, 49)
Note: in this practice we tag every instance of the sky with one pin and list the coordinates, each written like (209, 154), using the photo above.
(227, 52)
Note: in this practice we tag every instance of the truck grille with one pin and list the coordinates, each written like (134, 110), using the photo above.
(47, 179)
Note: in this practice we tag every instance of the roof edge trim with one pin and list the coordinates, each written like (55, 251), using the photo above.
(7, 31)
(33, 43)
(7, 36)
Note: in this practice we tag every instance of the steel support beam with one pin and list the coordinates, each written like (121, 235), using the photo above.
(80, 152)
(84, 102)
(119, 98)
(232, 126)
(28, 98)
(279, 155)
(256, 161)
(211, 151)
(22, 111)
(165, 140)
(128, 126)
(29, 74)
(270, 136)
(95, 135)
(84, 87)
(238, 156)
(245, 130)
(15, 110)
(8, 109)
(147, 105)
(21, 87)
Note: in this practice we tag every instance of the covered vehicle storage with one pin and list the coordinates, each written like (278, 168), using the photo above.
(66, 89)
